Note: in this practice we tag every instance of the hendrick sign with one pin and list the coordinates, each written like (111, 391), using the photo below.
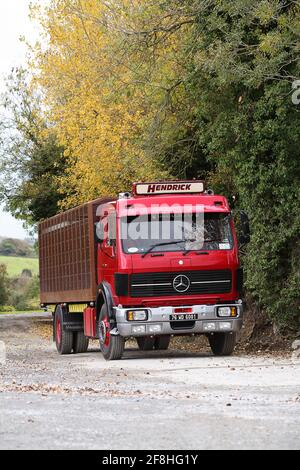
(184, 187)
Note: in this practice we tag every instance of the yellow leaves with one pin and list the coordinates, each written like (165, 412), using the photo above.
(100, 93)
(266, 11)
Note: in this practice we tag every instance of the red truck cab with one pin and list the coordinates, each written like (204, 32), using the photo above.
(167, 264)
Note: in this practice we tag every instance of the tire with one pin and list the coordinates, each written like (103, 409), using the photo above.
(112, 347)
(63, 339)
(162, 343)
(80, 343)
(146, 343)
(223, 344)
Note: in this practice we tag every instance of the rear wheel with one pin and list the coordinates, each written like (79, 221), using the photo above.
(63, 339)
(223, 344)
(112, 346)
(162, 343)
(80, 343)
(146, 343)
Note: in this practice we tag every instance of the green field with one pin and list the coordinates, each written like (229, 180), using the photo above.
(15, 266)
(26, 312)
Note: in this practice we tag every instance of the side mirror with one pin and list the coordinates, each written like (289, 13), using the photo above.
(245, 236)
(99, 232)
(244, 240)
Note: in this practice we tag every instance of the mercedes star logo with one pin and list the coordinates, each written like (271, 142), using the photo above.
(181, 284)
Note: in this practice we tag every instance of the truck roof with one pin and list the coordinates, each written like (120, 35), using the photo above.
(173, 203)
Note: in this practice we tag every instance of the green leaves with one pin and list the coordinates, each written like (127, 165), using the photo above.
(31, 160)
(245, 58)
(4, 285)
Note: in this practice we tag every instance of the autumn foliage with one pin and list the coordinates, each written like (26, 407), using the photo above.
(97, 104)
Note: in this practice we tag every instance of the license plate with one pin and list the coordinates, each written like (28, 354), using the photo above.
(184, 317)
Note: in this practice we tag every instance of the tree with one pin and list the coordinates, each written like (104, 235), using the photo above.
(31, 159)
(247, 56)
(138, 89)
(25, 293)
(13, 247)
(3, 285)
(96, 110)
(235, 67)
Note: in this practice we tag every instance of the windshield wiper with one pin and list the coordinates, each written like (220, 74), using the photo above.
(165, 244)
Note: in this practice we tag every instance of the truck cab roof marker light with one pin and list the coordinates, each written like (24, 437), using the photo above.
(125, 195)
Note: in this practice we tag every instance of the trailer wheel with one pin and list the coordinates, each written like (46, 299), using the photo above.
(162, 343)
(80, 343)
(222, 344)
(63, 339)
(112, 347)
(145, 343)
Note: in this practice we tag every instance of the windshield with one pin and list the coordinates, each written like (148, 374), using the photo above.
(176, 232)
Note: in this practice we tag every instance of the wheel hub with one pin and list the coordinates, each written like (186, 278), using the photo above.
(58, 331)
(104, 332)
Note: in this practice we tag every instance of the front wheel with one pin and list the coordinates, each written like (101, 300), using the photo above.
(112, 347)
(222, 344)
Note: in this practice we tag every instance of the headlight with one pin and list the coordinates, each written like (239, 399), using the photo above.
(137, 315)
(227, 312)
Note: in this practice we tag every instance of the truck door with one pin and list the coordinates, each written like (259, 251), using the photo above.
(108, 254)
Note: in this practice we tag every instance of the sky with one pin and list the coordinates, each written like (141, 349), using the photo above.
(14, 23)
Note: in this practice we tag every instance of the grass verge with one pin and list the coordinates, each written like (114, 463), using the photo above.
(15, 266)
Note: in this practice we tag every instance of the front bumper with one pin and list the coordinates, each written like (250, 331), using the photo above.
(207, 322)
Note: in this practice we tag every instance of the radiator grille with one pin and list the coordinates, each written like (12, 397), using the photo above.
(187, 283)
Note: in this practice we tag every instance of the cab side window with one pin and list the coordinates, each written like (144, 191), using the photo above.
(112, 229)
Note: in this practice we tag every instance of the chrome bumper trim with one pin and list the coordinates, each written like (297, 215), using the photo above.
(161, 315)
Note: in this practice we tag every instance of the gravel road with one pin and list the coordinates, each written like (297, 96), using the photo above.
(172, 400)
